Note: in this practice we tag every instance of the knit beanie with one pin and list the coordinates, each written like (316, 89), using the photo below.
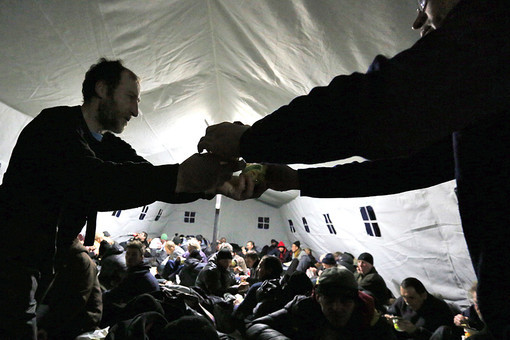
(329, 258)
(335, 281)
(367, 257)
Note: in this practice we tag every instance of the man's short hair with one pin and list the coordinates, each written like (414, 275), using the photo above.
(108, 71)
(415, 283)
(272, 265)
(252, 255)
(136, 245)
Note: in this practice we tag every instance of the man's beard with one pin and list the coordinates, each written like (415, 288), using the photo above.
(107, 117)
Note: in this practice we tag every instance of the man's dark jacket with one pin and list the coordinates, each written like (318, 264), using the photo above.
(374, 283)
(452, 84)
(431, 315)
(216, 280)
(302, 318)
(60, 174)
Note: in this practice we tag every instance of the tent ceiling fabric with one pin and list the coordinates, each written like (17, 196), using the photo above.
(199, 60)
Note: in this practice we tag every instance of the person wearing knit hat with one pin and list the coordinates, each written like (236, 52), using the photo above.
(328, 261)
(369, 279)
(367, 258)
(284, 255)
(336, 310)
(297, 252)
(337, 280)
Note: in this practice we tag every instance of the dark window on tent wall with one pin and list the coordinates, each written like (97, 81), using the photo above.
(116, 213)
(370, 221)
(292, 228)
(158, 216)
(305, 225)
(189, 217)
(329, 224)
(145, 209)
(263, 223)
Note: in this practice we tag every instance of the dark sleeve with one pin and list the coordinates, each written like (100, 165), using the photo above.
(418, 97)
(102, 184)
(429, 167)
(439, 315)
(249, 302)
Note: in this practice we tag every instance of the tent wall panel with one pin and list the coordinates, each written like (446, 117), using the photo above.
(420, 235)
(239, 222)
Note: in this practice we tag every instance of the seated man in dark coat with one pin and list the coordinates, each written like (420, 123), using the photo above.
(420, 314)
(215, 278)
(470, 320)
(113, 264)
(192, 266)
(337, 310)
(138, 280)
(369, 279)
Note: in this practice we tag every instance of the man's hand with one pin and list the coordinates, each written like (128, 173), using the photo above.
(281, 177)
(406, 326)
(223, 139)
(277, 177)
(241, 188)
(460, 320)
(204, 173)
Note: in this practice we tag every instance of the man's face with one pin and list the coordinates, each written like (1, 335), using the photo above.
(337, 310)
(249, 246)
(364, 267)
(294, 247)
(433, 16)
(249, 262)
(115, 111)
(281, 249)
(412, 298)
(133, 257)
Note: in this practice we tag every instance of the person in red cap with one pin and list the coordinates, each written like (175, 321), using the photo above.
(284, 255)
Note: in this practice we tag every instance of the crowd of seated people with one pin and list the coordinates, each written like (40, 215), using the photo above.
(240, 293)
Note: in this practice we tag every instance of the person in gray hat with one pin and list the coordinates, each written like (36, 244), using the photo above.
(369, 279)
(337, 309)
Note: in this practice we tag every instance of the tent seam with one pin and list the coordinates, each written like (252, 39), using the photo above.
(215, 58)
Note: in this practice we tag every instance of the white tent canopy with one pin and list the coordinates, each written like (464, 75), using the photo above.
(207, 61)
